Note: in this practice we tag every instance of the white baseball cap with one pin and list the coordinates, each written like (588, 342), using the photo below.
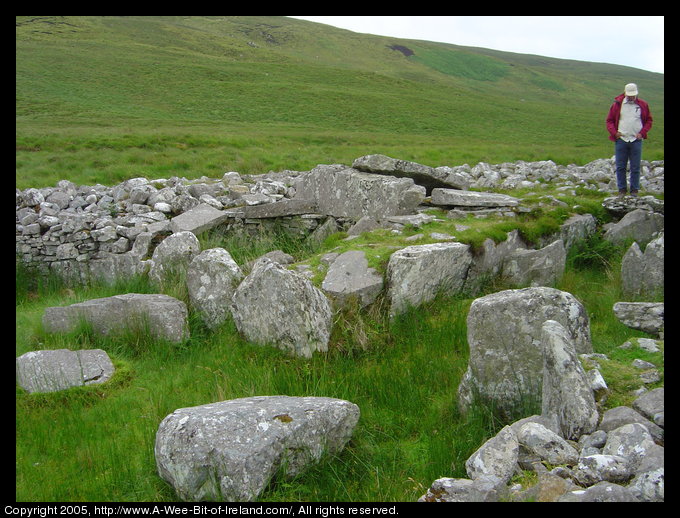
(631, 89)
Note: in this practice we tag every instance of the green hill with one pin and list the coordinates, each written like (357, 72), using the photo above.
(101, 99)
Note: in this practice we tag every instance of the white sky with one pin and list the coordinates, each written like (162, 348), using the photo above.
(634, 41)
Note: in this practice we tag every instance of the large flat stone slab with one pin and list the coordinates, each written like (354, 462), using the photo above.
(458, 198)
(285, 207)
(199, 219)
(60, 369)
(428, 177)
(230, 450)
(161, 315)
(344, 192)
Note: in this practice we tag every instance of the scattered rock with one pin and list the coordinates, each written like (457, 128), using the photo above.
(538, 440)
(639, 225)
(212, 279)
(643, 273)
(506, 351)
(110, 232)
(543, 267)
(173, 256)
(417, 273)
(644, 316)
(349, 276)
(483, 489)
(275, 306)
(60, 369)
(497, 457)
(159, 315)
(651, 403)
(230, 450)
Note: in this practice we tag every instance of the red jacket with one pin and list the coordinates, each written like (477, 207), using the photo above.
(615, 112)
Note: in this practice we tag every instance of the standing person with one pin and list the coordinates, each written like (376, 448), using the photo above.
(628, 122)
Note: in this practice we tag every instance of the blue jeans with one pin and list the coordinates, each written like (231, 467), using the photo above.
(625, 152)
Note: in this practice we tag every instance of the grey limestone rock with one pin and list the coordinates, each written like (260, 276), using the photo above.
(161, 315)
(212, 279)
(173, 255)
(546, 444)
(427, 176)
(644, 316)
(230, 450)
(601, 492)
(648, 486)
(417, 273)
(543, 267)
(567, 394)
(339, 191)
(458, 198)
(506, 349)
(275, 306)
(60, 369)
(497, 457)
(483, 489)
(650, 403)
(349, 276)
(643, 273)
(198, 219)
(640, 225)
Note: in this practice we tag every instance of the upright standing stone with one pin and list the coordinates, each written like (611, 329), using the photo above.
(416, 274)
(173, 255)
(212, 279)
(506, 353)
(275, 306)
(567, 395)
(643, 273)
(543, 267)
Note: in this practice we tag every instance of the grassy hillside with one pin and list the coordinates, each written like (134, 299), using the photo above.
(108, 98)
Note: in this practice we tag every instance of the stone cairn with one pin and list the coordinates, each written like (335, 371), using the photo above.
(149, 227)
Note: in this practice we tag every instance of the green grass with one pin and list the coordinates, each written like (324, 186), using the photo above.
(463, 63)
(109, 98)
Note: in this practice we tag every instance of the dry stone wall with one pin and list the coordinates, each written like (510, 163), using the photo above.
(107, 232)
